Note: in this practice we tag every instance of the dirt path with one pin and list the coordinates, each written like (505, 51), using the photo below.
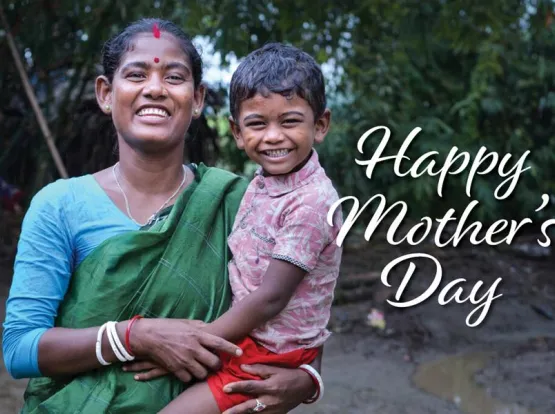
(367, 371)
(367, 374)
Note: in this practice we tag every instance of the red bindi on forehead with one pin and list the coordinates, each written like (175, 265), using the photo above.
(156, 60)
(156, 30)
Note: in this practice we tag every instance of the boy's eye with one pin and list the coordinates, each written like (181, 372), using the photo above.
(291, 121)
(254, 124)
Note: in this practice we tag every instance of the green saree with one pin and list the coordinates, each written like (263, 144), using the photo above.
(175, 269)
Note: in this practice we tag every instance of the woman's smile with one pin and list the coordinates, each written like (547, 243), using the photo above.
(153, 115)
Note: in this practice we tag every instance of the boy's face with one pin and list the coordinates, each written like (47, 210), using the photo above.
(278, 132)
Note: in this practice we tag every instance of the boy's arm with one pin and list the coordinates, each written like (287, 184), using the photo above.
(280, 282)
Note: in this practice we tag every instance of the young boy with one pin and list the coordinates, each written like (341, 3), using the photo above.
(285, 261)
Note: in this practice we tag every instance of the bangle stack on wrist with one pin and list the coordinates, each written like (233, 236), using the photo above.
(317, 379)
(123, 353)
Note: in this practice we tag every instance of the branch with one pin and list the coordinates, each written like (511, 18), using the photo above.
(32, 98)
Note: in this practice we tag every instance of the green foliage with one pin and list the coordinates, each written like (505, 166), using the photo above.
(469, 73)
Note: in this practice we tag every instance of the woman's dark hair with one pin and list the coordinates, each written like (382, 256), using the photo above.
(282, 69)
(116, 47)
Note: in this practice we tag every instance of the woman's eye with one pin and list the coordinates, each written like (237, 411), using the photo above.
(255, 124)
(175, 78)
(135, 76)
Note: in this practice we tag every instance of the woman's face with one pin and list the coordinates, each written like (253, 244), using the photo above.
(152, 96)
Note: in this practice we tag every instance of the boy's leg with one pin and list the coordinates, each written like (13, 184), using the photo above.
(197, 399)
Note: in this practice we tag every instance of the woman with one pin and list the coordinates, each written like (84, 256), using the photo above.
(146, 237)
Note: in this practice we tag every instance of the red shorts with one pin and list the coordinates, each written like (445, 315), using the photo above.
(253, 353)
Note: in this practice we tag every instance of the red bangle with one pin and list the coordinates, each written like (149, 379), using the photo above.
(128, 333)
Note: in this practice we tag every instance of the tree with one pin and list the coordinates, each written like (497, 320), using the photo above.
(468, 73)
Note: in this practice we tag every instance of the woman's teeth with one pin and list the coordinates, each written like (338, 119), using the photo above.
(153, 111)
(277, 153)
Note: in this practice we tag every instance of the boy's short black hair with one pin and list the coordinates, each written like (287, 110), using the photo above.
(282, 69)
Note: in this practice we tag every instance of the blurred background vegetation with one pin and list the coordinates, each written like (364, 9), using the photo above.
(469, 73)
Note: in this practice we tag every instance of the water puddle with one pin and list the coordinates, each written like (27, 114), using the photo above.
(452, 379)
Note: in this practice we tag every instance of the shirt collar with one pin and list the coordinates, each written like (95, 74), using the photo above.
(278, 185)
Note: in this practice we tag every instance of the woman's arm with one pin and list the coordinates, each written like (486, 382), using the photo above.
(178, 345)
(65, 351)
(33, 347)
(42, 270)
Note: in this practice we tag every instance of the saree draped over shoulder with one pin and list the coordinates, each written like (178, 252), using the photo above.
(175, 269)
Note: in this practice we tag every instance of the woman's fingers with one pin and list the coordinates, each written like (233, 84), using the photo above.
(219, 344)
(196, 323)
(183, 375)
(250, 407)
(280, 389)
(252, 387)
(243, 408)
(151, 374)
(146, 370)
(181, 345)
(208, 359)
(139, 366)
(196, 370)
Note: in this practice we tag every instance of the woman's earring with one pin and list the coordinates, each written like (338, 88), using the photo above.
(196, 111)
(108, 107)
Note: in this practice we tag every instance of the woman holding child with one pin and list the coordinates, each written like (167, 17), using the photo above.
(130, 264)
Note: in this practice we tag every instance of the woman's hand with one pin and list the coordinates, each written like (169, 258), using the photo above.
(146, 370)
(179, 346)
(281, 389)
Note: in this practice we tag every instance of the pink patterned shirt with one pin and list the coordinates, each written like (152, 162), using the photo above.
(284, 217)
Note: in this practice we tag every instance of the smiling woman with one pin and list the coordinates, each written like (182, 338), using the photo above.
(94, 285)
(151, 103)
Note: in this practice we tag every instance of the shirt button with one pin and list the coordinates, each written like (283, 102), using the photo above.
(243, 225)
(261, 184)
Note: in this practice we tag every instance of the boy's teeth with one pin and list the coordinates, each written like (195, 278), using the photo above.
(277, 153)
(153, 111)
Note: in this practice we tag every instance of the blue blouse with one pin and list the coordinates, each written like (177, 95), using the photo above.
(65, 222)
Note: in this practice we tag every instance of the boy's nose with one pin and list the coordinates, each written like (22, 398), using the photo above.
(273, 134)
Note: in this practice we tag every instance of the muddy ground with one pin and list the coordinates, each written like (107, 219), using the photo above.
(427, 360)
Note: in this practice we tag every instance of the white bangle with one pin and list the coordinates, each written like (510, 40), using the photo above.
(315, 375)
(99, 346)
(114, 334)
(113, 344)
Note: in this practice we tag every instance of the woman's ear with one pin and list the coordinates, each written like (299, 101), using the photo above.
(322, 126)
(236, 131)
(198, 100)
(103, 90)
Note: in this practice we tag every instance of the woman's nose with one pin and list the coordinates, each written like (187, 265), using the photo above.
(155, 88)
